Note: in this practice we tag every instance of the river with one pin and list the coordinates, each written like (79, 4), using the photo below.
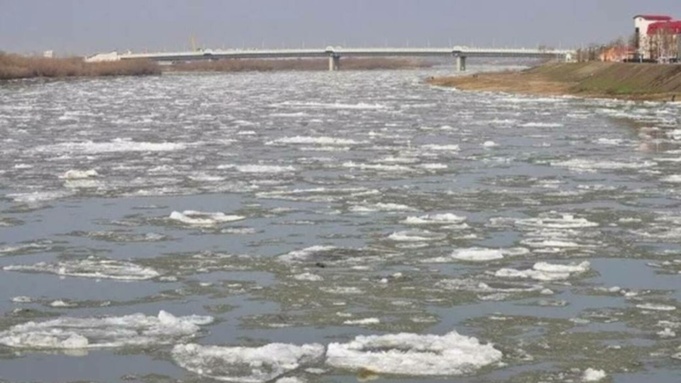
(330, 227)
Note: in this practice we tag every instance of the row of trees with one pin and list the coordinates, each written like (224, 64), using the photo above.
(662, 46)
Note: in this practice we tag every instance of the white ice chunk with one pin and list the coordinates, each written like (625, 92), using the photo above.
(543, 271)
(433, 219)
(79, 333)
(308, 277)
(79, 174)
(655, 307)
(90, 268)
(413, 354)
(245, 364)
(306, 140)
(477, 254)
(381, 207)
(416, 236)
(200, 218)
(305, 254)
(592, 375)
(265, 169)
(22, 299)
(364, 321)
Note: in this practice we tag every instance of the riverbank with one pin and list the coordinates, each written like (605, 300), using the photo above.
(21, 67)
(651, 82)
(14, 67)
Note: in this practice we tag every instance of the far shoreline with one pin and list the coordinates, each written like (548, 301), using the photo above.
(15, 67)
(623, 81)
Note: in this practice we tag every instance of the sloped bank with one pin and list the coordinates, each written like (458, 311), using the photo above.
(594, 79)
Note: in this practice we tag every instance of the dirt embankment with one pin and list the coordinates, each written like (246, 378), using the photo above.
(594, 79)
(17, 67)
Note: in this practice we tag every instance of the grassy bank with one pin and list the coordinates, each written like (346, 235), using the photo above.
(244, 65)
(18, 67)
(593, 79)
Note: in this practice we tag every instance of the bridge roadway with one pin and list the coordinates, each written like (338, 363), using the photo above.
(335, 53)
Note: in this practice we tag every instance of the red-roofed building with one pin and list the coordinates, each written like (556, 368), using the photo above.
(657, 37)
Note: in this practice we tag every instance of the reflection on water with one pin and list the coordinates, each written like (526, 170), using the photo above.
(316, 227)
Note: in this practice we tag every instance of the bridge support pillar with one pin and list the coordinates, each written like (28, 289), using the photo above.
(334, 62)
(460, 63)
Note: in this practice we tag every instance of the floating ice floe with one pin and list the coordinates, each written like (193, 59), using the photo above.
(584, 165)
(490, 144)
(117, 145)
(39, 196)
(364, 321)
(265, 169)
(83, 333)
(308, 277)
(543, 271)
(24, 249)
(246, 364)
(477, 254)
(555, 220)
(495, 291)
(306, 140)
(90, 268)
(592, 375)
(22, 299)
(381, 207)
(655, 307)
(377, 167)
(306, 254)
(435, 219)
(199, 218)
(416, 236)
(62, 304)
(674, 179)
(79, 174)
(336, 105)
(442, 148)
(413, 354)
(542, 125)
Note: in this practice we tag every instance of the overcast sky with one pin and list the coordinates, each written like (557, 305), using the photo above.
(90, 26)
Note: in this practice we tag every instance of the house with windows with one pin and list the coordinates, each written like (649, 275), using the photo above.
(657, 38)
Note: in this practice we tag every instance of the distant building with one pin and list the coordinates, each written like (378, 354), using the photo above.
(657, 37)
(616, 53)
(48, 54)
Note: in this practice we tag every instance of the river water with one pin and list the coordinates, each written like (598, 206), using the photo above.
(335, 227)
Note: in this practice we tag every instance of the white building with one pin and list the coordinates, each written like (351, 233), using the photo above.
(643, 41)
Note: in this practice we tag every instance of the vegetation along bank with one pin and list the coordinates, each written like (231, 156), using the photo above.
(629, 81)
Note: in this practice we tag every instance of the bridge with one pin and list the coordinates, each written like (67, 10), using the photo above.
(334, 54)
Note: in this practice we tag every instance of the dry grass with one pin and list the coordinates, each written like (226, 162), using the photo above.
(17, 67)
(243, 65)
(593, 79)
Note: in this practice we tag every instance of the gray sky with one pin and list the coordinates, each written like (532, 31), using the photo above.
(90, 26)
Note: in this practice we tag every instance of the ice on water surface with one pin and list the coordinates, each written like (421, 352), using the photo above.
(413, 354)
(373, 202)
(246, 364)
(82, 333)
(90, 268)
